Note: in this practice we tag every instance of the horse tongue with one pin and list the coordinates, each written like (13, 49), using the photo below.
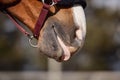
(66, 53)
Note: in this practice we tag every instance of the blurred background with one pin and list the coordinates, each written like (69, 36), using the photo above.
(101, 51)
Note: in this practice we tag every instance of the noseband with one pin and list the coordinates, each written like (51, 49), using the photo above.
(43, 15)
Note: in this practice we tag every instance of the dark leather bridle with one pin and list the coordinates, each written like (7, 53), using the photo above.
(39, 23)
(43, 15)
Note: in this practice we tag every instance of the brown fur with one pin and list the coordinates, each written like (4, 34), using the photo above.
(59, 22)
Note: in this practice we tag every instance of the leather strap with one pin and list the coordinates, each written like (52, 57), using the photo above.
(41, 20)
(39, 23)
(13, 19)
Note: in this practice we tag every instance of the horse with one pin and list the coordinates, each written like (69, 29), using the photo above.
(58, 25)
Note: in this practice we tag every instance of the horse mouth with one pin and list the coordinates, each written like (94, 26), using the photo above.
(64, 43)
(68, 51)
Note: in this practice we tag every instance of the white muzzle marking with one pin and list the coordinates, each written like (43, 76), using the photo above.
(80, 21)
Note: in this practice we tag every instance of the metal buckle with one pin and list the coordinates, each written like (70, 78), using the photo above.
(31, 42)
(51, 4)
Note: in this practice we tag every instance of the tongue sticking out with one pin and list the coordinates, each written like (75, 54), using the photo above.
(66, 53)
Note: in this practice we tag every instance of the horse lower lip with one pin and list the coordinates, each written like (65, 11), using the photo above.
(60, 59)
(66, 53)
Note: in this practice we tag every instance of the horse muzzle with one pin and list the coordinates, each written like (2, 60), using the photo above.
(56, 42)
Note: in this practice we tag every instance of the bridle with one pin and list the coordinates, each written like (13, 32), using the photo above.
(39, 23)
(42, 17)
